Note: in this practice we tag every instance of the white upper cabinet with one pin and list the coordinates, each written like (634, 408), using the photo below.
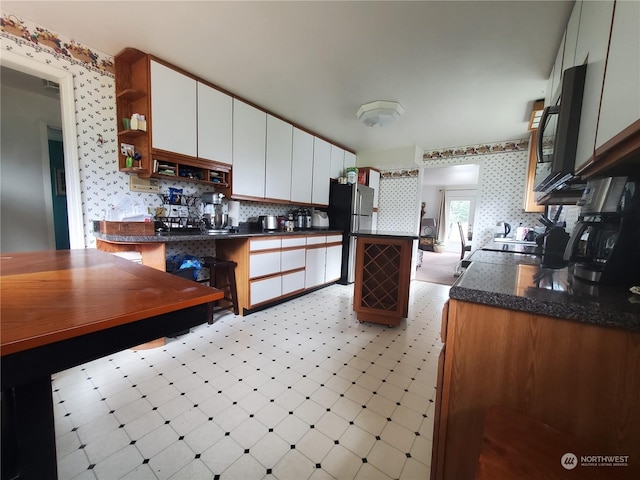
(556, 76)
(321, 171)
(349, 160)
(571, 37)
(302, 166)
(215, 124)
(173, 110)
(337, 162)
(249, 144)
(591, 49)
(621, 94)
(278, 159)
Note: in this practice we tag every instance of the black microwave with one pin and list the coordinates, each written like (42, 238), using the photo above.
(557, 138)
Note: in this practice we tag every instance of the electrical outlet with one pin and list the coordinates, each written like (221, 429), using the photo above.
(137, 184)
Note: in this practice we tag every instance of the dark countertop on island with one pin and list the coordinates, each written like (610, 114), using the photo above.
(384, 233)
(522, 282)
(188, 237)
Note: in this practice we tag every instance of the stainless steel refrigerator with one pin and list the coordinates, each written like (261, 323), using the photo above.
(350, 209)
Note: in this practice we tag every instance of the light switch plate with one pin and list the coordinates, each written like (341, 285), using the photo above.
(137, 184)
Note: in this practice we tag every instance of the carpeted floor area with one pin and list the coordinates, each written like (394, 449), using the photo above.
(438, 268)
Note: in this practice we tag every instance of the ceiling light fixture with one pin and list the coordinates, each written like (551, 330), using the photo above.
(379, 113)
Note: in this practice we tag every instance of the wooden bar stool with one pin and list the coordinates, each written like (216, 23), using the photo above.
(222, 275)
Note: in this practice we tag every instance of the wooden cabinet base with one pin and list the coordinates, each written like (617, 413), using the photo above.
(518, 446)
(580, 379)
(382, 279)
(378, 318)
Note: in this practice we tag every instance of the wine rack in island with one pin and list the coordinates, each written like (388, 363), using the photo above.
(382, 276)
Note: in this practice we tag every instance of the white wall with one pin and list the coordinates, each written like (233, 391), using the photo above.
(396, 158)
(22, 183)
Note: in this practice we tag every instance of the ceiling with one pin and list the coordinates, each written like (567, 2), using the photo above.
(465, 72)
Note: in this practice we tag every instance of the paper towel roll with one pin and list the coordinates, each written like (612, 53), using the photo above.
(233, 207)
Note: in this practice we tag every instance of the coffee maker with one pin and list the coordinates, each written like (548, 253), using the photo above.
(604, 246)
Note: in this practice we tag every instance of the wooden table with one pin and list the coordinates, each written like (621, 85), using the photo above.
(64, 308)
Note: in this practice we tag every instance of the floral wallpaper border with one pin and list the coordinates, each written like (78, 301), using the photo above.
(400, 173)
(25, 31)
(481, 149)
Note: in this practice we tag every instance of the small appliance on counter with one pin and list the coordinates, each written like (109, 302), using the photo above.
(320, 219)
(269, 223)
(213, 218)
(502, 230)
(605, 243)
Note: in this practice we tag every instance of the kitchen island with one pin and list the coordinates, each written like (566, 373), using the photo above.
(382, 276)
(64, 308)
(534, 339)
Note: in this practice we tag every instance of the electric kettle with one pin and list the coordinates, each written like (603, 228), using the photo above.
(502, 230)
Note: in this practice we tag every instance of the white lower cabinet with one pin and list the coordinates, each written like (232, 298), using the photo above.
(293, 282)
(266, 289)
(333, 266)
(292, 259)
(271, 268)
(315, 266)
(261, 264)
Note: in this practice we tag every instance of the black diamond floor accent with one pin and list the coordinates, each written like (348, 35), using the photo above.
(91, 467)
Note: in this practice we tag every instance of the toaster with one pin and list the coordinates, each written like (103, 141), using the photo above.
(319, 219)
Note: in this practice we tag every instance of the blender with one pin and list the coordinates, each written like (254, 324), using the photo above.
(214, 220)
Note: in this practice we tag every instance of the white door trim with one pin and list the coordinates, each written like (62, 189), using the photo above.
(67, 108)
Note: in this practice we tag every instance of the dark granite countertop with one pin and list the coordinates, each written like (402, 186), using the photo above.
(188, 237)
(513, 247)
(522, 282)
(384, 233)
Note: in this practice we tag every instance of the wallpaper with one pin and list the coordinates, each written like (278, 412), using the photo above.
(94, 84)
(500, 190)
(502, 170)
(398, 200)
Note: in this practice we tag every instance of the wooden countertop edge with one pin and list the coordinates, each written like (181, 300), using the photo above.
(41, 340)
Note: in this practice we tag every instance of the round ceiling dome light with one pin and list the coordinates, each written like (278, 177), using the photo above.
(379, 113)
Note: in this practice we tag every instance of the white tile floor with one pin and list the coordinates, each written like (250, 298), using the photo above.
(297, 391)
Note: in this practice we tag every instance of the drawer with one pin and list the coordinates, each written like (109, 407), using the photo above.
(294, 242)
(292, 282)
(316, 239)
(334, 238)
(292, 259)
(265, 290)
(261, 264)
(266, 244)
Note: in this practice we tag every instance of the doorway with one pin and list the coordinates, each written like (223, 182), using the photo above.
(59, 194)
(72, 197)
(460, 207)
